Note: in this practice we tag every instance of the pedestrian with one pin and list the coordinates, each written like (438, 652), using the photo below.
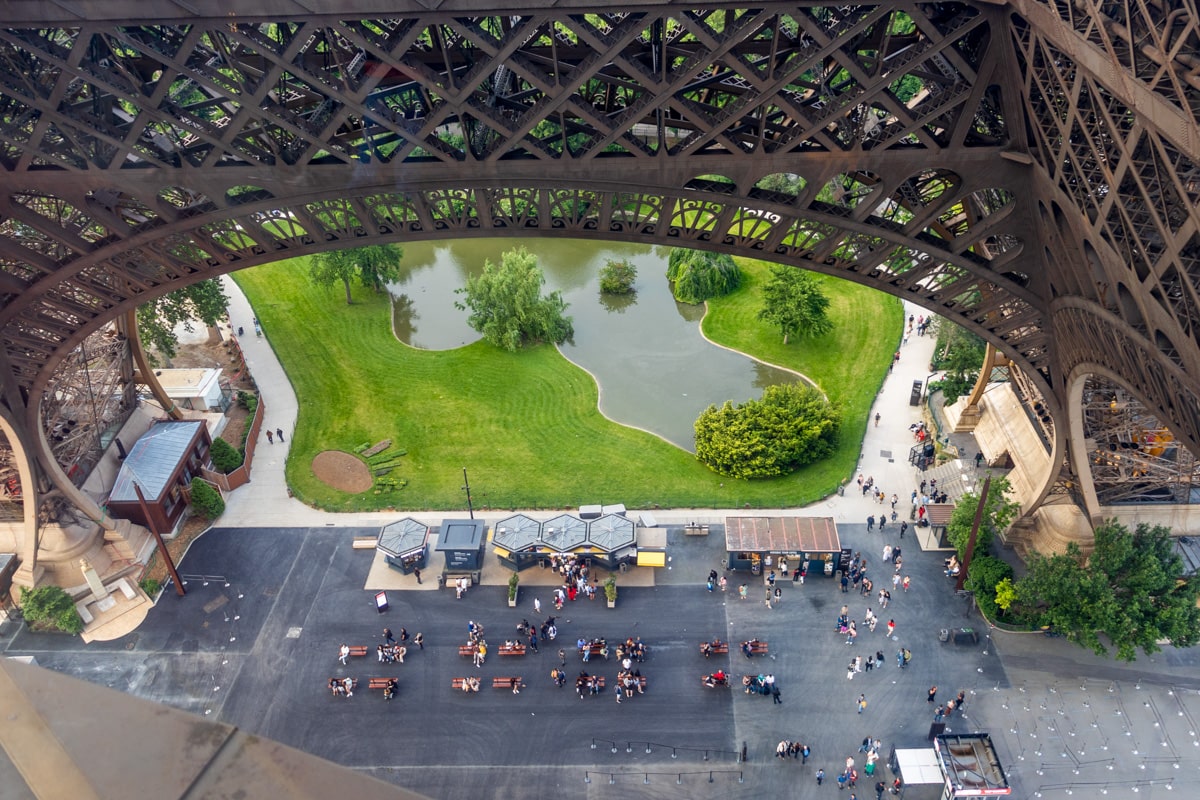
(820, 774)
(960, 701)
(417, 575)
(903, 528)
(537, 606)
(896, 580)
(778, 594)
(533, 641)
(768, 600)
(775, 694)
(387, 636)
(804, 754)
(618, 688)
(895, 500)
(343, 653)
(876, 419)
(419, 640)
(879, 789)
(932, 695)
(905, 583)
(845, 584)
(724, 583)
(279, 433)
(978, 459)
(862, 703)
(270, 438)
(742, 592)
(939, 714)
(871, 523)
(891, 627)
(562, 657)
(882, 522)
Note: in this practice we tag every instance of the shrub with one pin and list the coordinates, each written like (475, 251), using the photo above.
(50, 607)
(150, 586)
(206, 501)
(513, 580)
(224, 457)
(617, 277)
(247, 400)
(610, 589)
(791, 426)
(696, 275)
(983, 576)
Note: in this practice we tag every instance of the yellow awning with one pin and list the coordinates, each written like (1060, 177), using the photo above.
(651, 558)
(500, 551)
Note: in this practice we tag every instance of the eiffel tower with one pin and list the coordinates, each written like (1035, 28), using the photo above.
(1028, 170)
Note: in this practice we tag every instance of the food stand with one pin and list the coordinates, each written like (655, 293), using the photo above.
(563, 534)
(611, 541)
(970, 766)
(404, 544)
(515, 541)
(811, 541)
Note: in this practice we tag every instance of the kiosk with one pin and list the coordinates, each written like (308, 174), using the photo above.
(515, 541)
(970, 766)
(462, 540)
(611, 541)
(404, 544)
(810, 543)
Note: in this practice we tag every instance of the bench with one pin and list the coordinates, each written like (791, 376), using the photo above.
(364, 543)
(452, 578)
(84, 614)
(380, 683)
(468, 650)
(126, 589)
(341, 682)
(355, 650)
(695, 530)
(594, 649)
(511, 650)
(641, 681)
(719, 649)
(757, 648)
(599, 679)
(506, 682)
(457, 683)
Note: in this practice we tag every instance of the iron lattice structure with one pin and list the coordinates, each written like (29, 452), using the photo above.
(1028, 170)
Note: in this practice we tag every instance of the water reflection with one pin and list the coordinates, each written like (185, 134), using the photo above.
(654, 369)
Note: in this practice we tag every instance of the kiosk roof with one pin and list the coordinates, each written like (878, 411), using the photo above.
(781, 535)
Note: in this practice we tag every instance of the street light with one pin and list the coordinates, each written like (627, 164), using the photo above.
(467, 488)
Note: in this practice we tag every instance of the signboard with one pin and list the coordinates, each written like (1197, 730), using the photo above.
(381, 601)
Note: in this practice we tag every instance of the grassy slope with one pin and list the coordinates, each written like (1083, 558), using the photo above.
(526, 425)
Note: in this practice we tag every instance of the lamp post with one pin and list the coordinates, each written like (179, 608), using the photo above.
(467, 489)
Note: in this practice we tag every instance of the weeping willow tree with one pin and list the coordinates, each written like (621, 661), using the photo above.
(697, 275)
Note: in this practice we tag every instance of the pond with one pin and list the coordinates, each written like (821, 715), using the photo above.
(654, 368)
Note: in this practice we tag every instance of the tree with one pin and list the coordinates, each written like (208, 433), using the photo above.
(793, 301)
(373, 267)
(792, 425)
(960, 353)
(617, 277)
(986, 573)
(507, 305)
(206, 501)
(998, 512)
(697, 275)
(205, 301)
(1131, 590)
(225, 456)
(50, 607)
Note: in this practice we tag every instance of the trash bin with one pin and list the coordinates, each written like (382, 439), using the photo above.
(944, 635)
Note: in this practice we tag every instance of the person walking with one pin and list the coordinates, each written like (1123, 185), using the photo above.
(279, 433)
(388, 638)
(724, 583)
(742, 591)
(870, 523)
(417, 575)
(877, 416)
(862, 703)
(270, 438)
(932, 695)
(891, 628)
(820, 775)
(419, 640)
(906, 582)
(537, 606)
(804, 754)
(880, 786)
(562, 657)
(903, 527)
(775, 694)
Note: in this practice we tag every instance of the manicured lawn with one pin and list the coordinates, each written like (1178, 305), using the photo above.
(525, 425)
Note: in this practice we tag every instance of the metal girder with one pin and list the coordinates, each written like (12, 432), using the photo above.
(1026, 171)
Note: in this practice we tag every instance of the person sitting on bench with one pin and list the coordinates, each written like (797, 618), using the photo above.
(389, 689)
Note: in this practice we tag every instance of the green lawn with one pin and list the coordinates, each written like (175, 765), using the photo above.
(526, 425)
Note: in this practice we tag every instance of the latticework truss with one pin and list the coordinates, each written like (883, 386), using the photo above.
(1026, 171)
(1133, 457)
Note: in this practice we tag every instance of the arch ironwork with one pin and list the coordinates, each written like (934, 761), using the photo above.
(1028, 170)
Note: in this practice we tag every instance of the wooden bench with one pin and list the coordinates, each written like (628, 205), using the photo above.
(599, 679)
(695, 530)
(452, 578)
(641, 681)
(594, 650)
(511, 650)
(457, 683)
(719, 649)
(506, 682)
(355, 650)
(381, 683)
(757, 648)
(341, 682)
(467, 650)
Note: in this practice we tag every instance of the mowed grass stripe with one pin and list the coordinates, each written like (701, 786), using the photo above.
(526, 425)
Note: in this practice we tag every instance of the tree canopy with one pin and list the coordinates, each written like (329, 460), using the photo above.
(156, 320)
(618, 276)
(960, 353)
(697, 275)
(793, 302)
(1131, 590)
(507, 305)
(792, 425)
(372, 266)
(998, 512)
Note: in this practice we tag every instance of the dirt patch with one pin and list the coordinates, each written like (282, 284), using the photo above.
(193, 526)
(342, 471)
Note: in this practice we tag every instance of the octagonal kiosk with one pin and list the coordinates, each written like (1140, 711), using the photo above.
(515, 541)
(611, 541)
(404, 544)
(462, 540)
